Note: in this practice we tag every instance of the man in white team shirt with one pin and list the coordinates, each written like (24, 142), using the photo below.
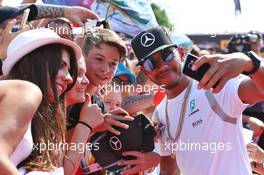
(203, 125)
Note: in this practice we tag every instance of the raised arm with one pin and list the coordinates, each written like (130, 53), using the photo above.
(76, 14)
(134, 104)
(223, 67)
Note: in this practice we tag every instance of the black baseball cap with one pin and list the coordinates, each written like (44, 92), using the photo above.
(7, 12)
(151, 41)
(138, 137)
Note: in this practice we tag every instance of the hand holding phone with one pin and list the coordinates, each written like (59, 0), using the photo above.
(198, 74)
(23, 21)
(96, 23)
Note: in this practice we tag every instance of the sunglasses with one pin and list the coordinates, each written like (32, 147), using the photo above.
(167, 55)
(253, 38)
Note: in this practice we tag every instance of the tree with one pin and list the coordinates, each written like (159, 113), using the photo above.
(161, 16)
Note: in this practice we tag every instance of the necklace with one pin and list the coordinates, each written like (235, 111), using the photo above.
(181, 119)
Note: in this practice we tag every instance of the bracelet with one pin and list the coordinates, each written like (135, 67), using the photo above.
(85, 124)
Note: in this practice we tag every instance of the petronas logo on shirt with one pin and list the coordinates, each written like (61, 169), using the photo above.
(192, 105)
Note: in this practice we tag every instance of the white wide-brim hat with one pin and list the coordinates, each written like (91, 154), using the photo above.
(28, 41)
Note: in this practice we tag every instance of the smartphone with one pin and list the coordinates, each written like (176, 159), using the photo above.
(24, 20)
(187, 68)
(198, 74)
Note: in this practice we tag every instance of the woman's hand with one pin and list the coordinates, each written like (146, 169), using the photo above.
(114, 118)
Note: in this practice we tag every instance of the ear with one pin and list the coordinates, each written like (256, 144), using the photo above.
(143, 70)
(181, 52)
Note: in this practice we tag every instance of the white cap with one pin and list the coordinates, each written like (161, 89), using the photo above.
(28, 41)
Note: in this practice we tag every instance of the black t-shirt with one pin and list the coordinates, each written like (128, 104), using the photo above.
(256, 110)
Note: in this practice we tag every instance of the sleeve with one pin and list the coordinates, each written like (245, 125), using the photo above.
(228, 97)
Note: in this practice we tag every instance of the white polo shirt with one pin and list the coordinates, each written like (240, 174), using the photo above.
(210, 144)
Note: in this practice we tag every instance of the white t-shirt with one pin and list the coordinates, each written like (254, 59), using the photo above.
(208, 145)
(57, 171)
(24, 148)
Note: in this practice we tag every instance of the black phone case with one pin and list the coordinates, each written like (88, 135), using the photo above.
(187, 68)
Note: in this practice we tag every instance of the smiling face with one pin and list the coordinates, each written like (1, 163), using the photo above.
(63, 77)
(77, 93)
(101, 61)
(167, 74)
(112, 100)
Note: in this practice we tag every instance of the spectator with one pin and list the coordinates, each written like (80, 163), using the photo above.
(112, 98)
(102, 50)
(77, 93)
(17, 121)
(7, 15)
(30, 57)
(62, 27)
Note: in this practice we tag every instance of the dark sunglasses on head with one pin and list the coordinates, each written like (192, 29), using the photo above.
(167, 55)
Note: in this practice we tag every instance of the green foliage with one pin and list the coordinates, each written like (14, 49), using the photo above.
(161, 16)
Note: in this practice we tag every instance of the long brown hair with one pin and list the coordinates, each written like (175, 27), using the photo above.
(48, 124)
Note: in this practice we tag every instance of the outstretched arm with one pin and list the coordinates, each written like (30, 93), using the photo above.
(224, 67)
(76, 14)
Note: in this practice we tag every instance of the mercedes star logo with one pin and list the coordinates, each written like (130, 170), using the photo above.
(147, 39)
(115, 143)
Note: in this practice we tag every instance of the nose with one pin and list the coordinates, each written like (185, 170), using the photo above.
(85, 80)
(68, 78)
(105, 68)
(161, 64)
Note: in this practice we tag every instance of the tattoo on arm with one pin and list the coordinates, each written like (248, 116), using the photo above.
(47, 11)
(134, 99)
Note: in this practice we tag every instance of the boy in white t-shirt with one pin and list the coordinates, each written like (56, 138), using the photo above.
(203, 126)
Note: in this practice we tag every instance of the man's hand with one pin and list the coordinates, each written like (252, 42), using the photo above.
(113, 118)
(255, 153)
(79, 15)
(223, 67)
(7, 36)
(143, 162)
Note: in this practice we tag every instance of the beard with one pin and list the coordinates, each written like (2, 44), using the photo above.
(166, 86)
(172, 85)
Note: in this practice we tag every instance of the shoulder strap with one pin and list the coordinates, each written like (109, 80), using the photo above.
(217, 109)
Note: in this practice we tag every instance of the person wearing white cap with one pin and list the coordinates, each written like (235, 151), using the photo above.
(43, 58)
(15, 122)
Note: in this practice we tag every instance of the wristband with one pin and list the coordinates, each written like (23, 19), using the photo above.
(85, 124)
(256, 63)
